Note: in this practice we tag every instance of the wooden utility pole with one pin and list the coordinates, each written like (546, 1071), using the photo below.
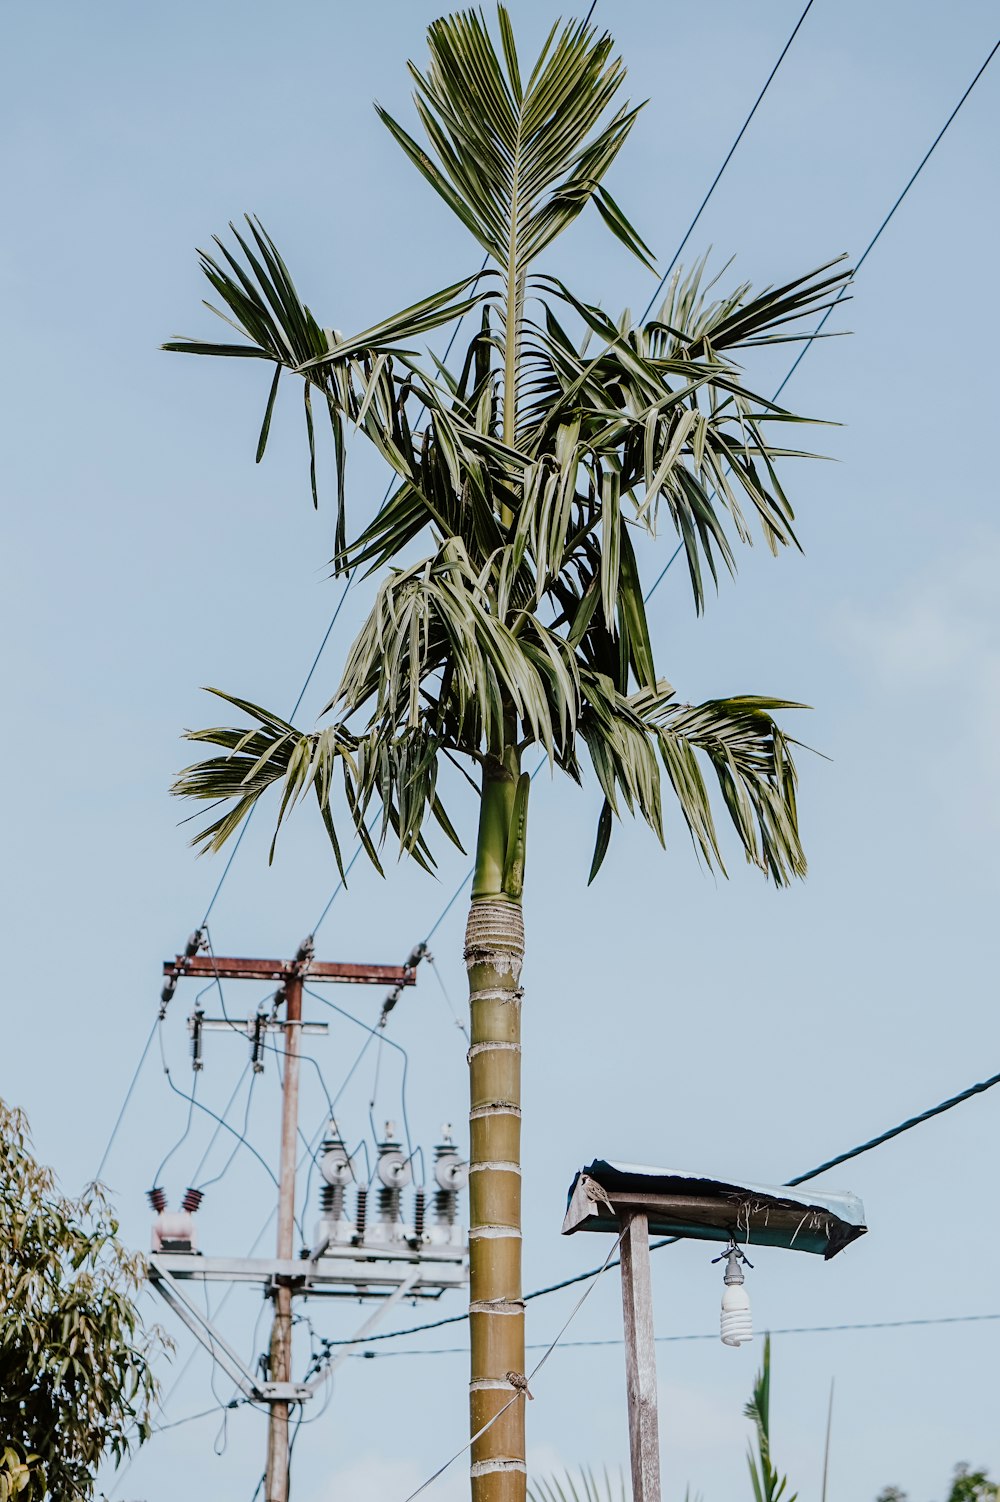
(640, 1358)
(290, 975)
(276, 1484)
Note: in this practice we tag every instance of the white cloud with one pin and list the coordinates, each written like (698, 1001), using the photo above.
(933, 650)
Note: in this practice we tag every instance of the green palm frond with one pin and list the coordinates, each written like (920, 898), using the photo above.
(588, 1486)
(518, 162)
(768, 1486)
(524, 474)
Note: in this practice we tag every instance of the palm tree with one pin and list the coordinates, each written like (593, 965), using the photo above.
(509, 612)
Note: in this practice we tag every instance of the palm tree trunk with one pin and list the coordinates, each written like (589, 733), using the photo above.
(494, 950)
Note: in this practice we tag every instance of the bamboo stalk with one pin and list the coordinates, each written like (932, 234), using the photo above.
(494, 951)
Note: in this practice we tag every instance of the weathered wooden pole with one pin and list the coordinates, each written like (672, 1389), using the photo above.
(640, 1358)
(276, 1484)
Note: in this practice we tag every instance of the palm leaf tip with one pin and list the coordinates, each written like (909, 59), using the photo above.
(518, 161)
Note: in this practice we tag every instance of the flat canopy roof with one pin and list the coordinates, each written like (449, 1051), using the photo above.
(680, 1203)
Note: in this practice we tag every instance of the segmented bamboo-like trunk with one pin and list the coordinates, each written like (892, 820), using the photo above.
(494, 950)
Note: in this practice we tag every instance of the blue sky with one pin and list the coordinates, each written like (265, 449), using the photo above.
(719, 1025)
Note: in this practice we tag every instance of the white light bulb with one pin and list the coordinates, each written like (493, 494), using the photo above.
(736, 1326)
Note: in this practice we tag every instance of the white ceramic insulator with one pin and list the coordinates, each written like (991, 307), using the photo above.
(736, 1326)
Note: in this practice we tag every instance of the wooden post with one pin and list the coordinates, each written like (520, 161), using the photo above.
(276, 1487)
(640, 1358)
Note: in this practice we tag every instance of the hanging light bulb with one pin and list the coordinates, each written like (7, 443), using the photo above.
(736, 1325)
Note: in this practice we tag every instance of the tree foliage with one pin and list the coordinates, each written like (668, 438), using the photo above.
(75, 1378)
(509, 610)
(967, 1485)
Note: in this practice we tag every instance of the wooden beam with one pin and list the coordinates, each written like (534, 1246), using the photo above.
(640, 1358)
(210, 967)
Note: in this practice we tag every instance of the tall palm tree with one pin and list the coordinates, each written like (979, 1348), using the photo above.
(509, 611)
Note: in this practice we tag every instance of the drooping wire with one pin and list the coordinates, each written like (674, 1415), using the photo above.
(209, 1112)
(212, 1140)
(448, 1001)
(191, 1417)
(158, 1176)
(373, 1034)
(240, 1142)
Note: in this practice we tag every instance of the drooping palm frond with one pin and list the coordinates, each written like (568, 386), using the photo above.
(523, 474)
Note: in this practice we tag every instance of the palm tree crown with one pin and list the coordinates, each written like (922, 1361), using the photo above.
(509, 612)
(525, 470)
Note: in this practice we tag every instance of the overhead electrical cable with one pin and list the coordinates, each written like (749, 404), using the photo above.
(350, 578)
(124, 1105)
(726, 160)
(581, 1345)
(953, 1101)
(802, 1178)
(791, 371)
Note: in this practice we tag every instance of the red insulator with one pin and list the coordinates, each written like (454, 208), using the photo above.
(157, 1199)
(192, 1199)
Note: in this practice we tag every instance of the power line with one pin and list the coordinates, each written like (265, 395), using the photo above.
(791, 371)
(897, 1131)
(878, 233)
(663, 281)
(124, 1105)
(802, 1178)
(524, 1382)
(580, 1345)
(726, 160)
(214, 1115)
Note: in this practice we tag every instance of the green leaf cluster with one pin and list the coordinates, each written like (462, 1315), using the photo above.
(768, 1485)
(509, 610)
(76, 1383)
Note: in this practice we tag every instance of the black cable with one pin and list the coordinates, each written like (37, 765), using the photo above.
(878, 233)
(726, 160)
(211, 1141)
(158, 1178)
(191, 1417)
(791, 371)
(373, 1033)
(897, 1131)
(124, 1106)
(240, 1142)
(802, 1178)
(215, 1117)
(885, 1324)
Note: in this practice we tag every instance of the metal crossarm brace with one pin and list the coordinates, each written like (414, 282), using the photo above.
(220, 1351)
(407, 1285)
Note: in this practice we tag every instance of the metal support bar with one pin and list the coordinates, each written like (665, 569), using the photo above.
(394, 1298)
(203, 1329)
